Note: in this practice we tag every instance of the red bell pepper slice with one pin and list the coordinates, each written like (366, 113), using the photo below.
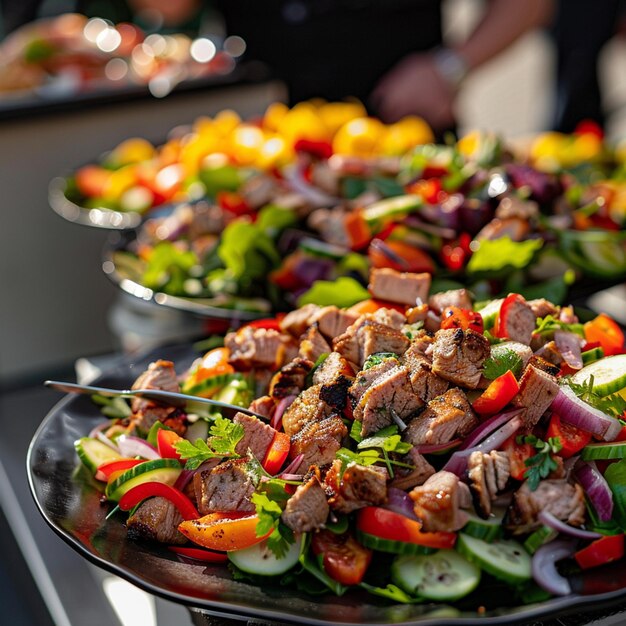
(166, 444)
(499, 393)
(601, 551)
(233, 202)
(277, 453)
(501, 324)
(455, 317)
(199, 554)
(607, 333)
(105, 470)
(269, 323)
(149, 490)
(385, 524)
(572, 438)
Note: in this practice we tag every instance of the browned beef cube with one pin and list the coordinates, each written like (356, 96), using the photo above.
(359, 486)
(455, 297)
(458, 356)
(257, 436)
(488, 474)
(438, 502)
(296, 322)
(156, 519)
(318, 442)
(565, 501)
(401, 287)
(537, 390)
(388, 317)
(406, 478)
(389, 396)
(307, 407)
(542, 308)
(308, 508)
(519, 323)
(259, 347)
(544, 365)
(333, 321)
(523, 351)
(366, 378)
(264, 406)
(374, 337)
(447, 417)
(336, 376)
(159, 375)
(417, 359)
(549, 352)
(145, 418)
(290, 379)
(227, 487)
(313, 344)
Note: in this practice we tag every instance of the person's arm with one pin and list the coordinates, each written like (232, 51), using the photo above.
(425, 84)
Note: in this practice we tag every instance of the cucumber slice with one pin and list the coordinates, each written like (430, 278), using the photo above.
(322, 249)
(593, 355)
(156, 471)
(236, 392)
(488, 529)
(503, 559)
(259, 559)
(94, 453)
(604, 451)
(207, 387)
(538, 538)
(489, 313)
(609, 375)
(444, 576)
(391, 208)
(198, 430)
(391, 546)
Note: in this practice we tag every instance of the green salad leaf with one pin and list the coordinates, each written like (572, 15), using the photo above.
(343, 292)
(168, 267)
(499, 256)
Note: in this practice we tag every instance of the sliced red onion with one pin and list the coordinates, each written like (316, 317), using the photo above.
(544, 567)
(107, 442)
(293, 466)
(457, 463)
(308, 270)
(281, 407)
(399, 502)
(568, 344)
(437, 447)
(573, 410)
(98, 429)
(134, 446)
(286, 476)
(183, 479)
(596, 488)
(545, 517)
(487, 427)
(314, 196)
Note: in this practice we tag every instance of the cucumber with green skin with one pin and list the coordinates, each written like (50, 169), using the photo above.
(604, 451)
(155, 471)
(94, 453)
(488, 529)
(593, 355)
(389, 209)
(503, 559)
(538, 538)
(609, 375)
(259, 559)
(443, 576)
(391, 546)
(210, 385)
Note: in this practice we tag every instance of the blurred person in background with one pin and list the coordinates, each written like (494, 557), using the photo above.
(390, 54)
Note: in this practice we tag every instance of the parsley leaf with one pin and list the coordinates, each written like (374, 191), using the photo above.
(500, 362)
(377, 358)
(367, 457)
(195, 454)
(388, 439)
(549, 324)
(540, 465)
(269, 512)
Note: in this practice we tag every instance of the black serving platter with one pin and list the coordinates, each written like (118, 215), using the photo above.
(70, 502)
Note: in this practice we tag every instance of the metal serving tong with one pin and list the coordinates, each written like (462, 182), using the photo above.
(191, 404)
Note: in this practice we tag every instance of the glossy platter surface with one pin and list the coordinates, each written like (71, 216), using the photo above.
(70, 502)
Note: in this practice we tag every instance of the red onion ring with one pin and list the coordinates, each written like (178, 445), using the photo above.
(544, 567)
(568, 344)
(399, 502)
(107, 442)
(293, 466)
(545, 517)
(488, 426)
(134, 446)
(183, 479)
(281, 407)
(98, 429)
(433, 448)
(596, 488)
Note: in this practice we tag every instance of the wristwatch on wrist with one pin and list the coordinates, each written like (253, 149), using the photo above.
(450, 65)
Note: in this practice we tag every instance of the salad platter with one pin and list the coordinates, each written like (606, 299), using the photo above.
(425, 459)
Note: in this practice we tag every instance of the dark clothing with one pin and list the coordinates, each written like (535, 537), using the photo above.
(333, 48)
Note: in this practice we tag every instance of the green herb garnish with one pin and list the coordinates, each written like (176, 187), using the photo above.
(613, 405)
(541, 464)
(269, 512)
(501, 363)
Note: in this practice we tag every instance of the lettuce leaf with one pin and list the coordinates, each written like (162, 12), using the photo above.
(343, 292)
(500, 256)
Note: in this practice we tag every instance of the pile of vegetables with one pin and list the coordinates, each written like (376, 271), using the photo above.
(383, 549)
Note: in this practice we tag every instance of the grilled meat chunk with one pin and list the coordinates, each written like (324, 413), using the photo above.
(565, 501)
(290, 379)
(388, 317)
(458, 356)
(438, 502)
(333, 321)
(521, 349)
(542, 308)
(359, 486)
(307, 407)
(389, 396)
(296, 322)
(569, 345)
(156, 519)
(455, 297)
(335, 375)
(446, 417)
(401, 287)
(226, 487)
(318, 442)
(366, 378)
(257, 436)
(259, 347)
(406, 478)
(550, 353)
(417, 359)
(488, 474)
(537, 390)
(264, 406)
(308, 508)
(519, 323)
(313, 344)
